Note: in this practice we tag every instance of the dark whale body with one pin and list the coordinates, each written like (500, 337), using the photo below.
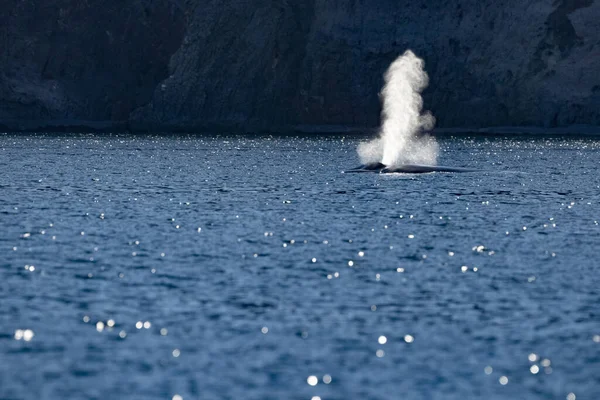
(406, 169)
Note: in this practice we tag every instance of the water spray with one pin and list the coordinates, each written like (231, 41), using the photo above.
(403, 135)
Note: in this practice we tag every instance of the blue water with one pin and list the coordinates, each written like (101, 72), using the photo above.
(252, 268)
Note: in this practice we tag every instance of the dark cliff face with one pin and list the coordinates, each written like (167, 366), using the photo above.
(239, 66)
(234, 64)
(85, 59)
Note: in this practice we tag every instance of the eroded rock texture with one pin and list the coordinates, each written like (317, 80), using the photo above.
(86, 60)
(269, 65)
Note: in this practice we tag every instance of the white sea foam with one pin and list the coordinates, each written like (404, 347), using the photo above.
(402, 137)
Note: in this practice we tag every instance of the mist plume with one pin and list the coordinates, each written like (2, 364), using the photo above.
(402, 136)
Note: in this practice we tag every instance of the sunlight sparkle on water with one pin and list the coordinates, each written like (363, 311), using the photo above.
(534, 369)
(545, 362)
(24, 334)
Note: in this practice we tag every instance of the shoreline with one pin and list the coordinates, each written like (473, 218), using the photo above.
(124, 127)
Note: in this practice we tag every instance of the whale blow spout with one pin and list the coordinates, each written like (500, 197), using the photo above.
(402, 135)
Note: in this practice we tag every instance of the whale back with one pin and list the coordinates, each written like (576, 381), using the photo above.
(422, 169)
(371, 167)
(407, 169)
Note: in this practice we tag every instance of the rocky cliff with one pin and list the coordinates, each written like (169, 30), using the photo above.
(270, 65)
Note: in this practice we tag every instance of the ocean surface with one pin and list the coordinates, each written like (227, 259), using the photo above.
(215, 267)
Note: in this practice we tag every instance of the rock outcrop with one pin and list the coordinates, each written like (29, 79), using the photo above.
(264, 65)
(88, 61)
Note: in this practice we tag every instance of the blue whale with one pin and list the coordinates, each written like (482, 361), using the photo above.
(406, 169)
